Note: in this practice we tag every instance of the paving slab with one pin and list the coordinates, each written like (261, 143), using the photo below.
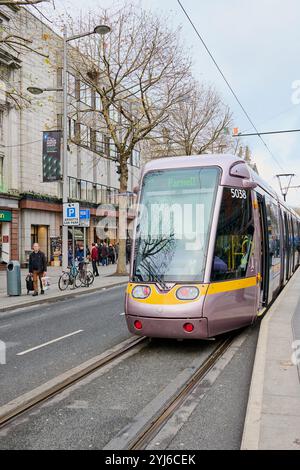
(272, 420)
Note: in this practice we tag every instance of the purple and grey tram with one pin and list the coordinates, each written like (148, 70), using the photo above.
(212, 247)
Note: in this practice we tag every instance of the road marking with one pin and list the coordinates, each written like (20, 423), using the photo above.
(49, 342)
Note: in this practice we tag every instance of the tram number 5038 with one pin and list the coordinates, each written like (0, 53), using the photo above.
(238, 193)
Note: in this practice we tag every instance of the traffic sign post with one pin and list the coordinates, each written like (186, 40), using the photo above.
(71, 213)
(85, 216)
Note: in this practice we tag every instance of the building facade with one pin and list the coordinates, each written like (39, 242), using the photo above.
(30, 208)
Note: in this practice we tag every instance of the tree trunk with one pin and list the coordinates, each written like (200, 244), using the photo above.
(122, 219)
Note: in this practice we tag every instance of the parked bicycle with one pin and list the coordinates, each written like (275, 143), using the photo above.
(86, 277)
(70, 278)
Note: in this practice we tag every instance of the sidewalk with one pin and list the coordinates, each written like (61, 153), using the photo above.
(273, 414)
(105, 280)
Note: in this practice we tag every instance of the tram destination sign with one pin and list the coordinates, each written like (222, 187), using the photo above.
(51, 156)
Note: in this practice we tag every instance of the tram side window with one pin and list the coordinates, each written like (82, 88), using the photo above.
(234, 235)
(274, 235)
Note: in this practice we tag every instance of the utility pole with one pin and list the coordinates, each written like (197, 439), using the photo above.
(284, 190)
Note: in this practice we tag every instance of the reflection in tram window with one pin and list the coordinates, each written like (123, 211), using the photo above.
(234, 236)
(174, 224)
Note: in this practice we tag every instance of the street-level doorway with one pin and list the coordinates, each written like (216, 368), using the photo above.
(40, 235)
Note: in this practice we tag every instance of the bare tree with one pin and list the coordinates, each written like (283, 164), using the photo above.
(22, 2)
(139, 72)
(197, 124)
(14, 44)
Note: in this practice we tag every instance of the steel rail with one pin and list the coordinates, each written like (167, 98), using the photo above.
(147, 434)
(31, 399)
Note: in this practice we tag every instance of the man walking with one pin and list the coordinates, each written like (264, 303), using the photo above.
(95, 257)
(37, 267)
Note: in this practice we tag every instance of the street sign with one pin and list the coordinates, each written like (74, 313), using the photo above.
(71, 213)
(85, 216)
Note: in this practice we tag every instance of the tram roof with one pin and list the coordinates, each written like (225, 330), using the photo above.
(224, 161)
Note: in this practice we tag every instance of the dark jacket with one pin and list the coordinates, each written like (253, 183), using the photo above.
(37, 262)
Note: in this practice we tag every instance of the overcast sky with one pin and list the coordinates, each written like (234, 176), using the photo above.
(257, 45)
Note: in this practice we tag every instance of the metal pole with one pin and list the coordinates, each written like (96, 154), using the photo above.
(65, 147)
(84, 242)
(73, 243)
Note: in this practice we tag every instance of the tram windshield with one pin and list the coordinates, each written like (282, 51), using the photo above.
(173, 226)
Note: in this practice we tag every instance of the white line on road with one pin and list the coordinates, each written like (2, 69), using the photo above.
(49, 342)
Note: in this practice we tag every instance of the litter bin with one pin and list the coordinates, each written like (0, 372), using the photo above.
(13, 277)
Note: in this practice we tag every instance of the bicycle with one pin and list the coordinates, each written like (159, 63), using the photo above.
(86, 277)
(70, 278)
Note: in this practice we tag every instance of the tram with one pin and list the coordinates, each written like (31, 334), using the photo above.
(213, 245)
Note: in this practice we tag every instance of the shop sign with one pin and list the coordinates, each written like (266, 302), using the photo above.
(5, 216)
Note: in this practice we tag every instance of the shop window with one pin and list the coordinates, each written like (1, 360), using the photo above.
(234, 235)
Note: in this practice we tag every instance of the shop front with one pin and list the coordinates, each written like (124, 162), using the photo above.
(9, 235)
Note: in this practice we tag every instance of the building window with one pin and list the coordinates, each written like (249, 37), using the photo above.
(85, 135)
(85, 94)
(73, 188)
(114, 114)
(234, 236)
(99, 142)
(72, 128)
(71, 85)
(98, 102)
(113, 151)
(135, 158)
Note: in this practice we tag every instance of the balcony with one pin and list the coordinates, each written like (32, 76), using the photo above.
(95, 193)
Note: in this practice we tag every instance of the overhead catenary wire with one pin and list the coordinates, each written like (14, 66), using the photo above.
(227, 83)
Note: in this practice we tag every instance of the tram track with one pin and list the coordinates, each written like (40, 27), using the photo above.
(143, 436)
(147, 434)
(41, 394)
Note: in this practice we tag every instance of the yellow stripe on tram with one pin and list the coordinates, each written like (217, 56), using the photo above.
(170, 298)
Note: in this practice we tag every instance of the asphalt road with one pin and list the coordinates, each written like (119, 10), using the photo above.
(80, 329)
(109, 402)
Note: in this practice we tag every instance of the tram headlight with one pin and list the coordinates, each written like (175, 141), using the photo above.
(187, 293)
(141, 292)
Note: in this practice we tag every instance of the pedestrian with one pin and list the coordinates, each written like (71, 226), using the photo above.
(104, 254)
(95, 257)
(112, 254)
(117, 251)
(80, 257)
(128, 251)
(100, 253)
(37, 267)
(70, 256)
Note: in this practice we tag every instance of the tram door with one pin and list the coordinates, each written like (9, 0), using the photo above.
(264, 261)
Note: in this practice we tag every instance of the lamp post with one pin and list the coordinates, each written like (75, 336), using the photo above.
(102, 30)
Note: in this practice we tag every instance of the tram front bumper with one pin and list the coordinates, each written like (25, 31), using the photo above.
(155, 327)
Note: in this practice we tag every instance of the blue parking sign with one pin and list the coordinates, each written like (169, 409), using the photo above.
(71, 213)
